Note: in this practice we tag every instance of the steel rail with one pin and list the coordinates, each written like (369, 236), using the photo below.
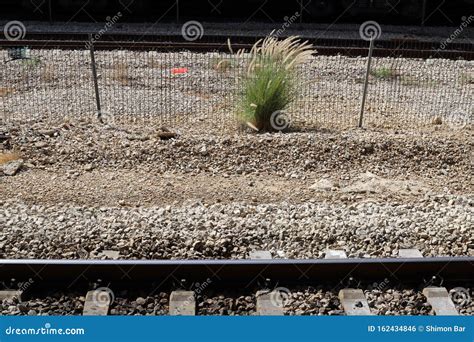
(409, 270)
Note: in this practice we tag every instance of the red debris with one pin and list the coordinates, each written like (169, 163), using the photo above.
(179, 71)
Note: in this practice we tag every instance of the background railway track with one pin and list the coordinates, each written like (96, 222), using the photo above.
(409, 48)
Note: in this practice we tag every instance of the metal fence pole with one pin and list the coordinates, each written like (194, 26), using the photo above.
(301, 11)
(94, 76)
(423, 13)
(366, 83)
(50, 12)
(177, 12)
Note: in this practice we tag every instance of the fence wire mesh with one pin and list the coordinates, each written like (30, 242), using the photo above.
(184, 90)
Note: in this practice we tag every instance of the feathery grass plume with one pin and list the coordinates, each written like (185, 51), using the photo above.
(270, 82)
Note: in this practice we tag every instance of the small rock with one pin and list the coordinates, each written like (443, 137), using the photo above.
(48, 132)
(138, 137)
(22, 307)
(203, 151)
(324, 184)
(198, 246)
(141, 301)
(367, 149)
(110, 254)
(41, 144)
(166, 135)
(88, 167)
(11, 168)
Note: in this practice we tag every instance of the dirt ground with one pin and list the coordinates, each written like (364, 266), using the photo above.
(88, 165)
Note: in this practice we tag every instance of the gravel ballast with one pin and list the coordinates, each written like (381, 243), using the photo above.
(85, 189)
(368, 229)
(295, 301)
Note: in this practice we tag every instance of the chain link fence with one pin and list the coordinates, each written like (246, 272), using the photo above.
(184, 90)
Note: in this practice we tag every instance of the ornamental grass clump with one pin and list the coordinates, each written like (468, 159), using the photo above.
(270, 83)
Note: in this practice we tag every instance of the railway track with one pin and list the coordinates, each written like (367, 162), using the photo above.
(409, 48)
(267, 282)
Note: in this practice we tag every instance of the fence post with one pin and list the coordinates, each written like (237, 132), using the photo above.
(50, 12)
(366, 82)
(94, 76)
(301, 11)
(177, 12)
(423, 13)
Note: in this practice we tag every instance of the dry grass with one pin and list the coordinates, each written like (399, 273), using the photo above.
(8, 157)
(121, 74)
(154, 64)
(288, 53)
(409, 81)
(222, 64)
(193, 92)
(385, 73)
(47, 74)
(412, 81)
(467, 78)
(31, 63)
(4, 91)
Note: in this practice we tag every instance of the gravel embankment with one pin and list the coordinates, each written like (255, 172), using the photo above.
(85, 189)
(85, 145)
(367, 229)
(85, 164)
